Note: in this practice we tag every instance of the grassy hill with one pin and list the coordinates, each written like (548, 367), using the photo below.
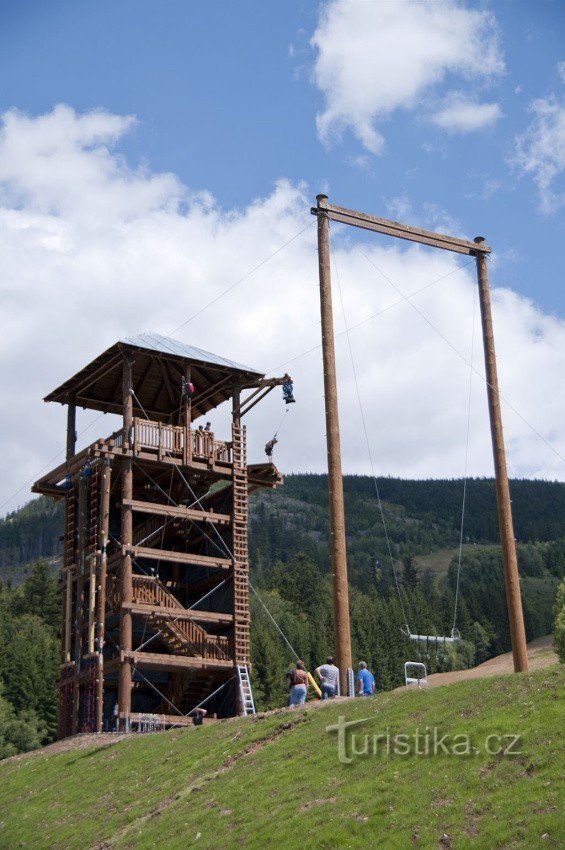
(277, 780)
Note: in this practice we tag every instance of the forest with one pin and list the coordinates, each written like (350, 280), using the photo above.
(410, 579)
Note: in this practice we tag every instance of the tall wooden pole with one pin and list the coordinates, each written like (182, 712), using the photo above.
(71, 429)
(103, 560)
(506, 528)
(126, 587)
(342, 628)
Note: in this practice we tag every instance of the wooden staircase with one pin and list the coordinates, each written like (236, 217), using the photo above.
(182, 636)
(188, 691)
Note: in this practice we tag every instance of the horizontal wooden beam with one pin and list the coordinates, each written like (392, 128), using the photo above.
(177, 511)
(177, 557)
(159, 661)
(402, 231)
(181, 614)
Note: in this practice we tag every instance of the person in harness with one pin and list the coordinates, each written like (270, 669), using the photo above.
(298, 683)
(288, 390)
(269, 448)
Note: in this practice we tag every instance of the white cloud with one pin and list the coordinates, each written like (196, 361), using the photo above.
(374, 58)
(110, 251)
(561, 71)
(461, 115)
(540, 152)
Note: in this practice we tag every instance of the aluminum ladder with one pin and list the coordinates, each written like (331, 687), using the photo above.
(245, 690)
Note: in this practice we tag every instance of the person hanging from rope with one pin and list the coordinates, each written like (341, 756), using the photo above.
(269, 448)
(288, 390)
(298, 683)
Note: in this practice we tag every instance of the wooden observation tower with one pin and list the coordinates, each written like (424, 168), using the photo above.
(155, 605)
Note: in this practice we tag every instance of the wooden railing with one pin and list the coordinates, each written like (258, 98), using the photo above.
(168, 440)
(184, 636)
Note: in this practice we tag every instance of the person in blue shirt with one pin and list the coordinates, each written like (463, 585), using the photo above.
(365, 681)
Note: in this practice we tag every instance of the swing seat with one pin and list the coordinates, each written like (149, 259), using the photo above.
(414, 667)
(437, 639)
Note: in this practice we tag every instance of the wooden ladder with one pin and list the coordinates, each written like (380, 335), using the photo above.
(240, 547)
(245, 692)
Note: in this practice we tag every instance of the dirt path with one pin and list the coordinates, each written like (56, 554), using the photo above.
(76, 742)
(540, 654)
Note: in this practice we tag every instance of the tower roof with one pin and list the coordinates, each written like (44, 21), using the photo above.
(158, 366)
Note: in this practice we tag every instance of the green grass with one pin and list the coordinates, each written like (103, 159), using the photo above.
(277, 782)
(438, 562)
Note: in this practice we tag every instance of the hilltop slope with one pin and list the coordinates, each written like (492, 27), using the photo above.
(277, 780)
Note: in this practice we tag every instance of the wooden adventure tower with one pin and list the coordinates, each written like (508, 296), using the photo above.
(155, 605)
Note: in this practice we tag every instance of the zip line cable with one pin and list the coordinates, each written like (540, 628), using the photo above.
(241, 279)
(374, 315)
(462, 356)
(182, 325)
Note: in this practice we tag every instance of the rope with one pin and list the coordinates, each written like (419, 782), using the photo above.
(454, 629)
(278, 628)
(368, 445)
(281, 423)
(241, 279)
(462, 356)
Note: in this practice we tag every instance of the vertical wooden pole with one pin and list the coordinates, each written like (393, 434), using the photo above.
(126, 583)
(187, 416)
(81, 520)
(342, 628)
(71, 429)
(91, 602)
(506, 527)
(68, 568)
(101, 619)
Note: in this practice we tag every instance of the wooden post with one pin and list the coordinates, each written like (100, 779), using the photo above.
(81, 520)
(91, 602)
(71, 429)
(101, 618)
(68, 570)
(187, 416)
(126, 583)
(506, 528)
(68, 615)
(342, 628)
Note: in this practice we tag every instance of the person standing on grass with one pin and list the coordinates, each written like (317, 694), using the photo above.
(328, 674)
(365, 681)
(298, 684)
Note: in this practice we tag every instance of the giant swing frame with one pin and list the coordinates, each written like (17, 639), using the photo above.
(478, 249)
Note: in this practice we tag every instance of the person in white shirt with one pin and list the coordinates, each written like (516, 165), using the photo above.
(328, 674)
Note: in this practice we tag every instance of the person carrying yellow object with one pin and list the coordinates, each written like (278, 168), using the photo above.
(328, 674)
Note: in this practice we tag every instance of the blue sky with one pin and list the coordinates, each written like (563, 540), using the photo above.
(447, 115)
(224, 97)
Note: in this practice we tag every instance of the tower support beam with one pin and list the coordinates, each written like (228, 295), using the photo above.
(342, 628)
(505, 523)
(126, 582)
